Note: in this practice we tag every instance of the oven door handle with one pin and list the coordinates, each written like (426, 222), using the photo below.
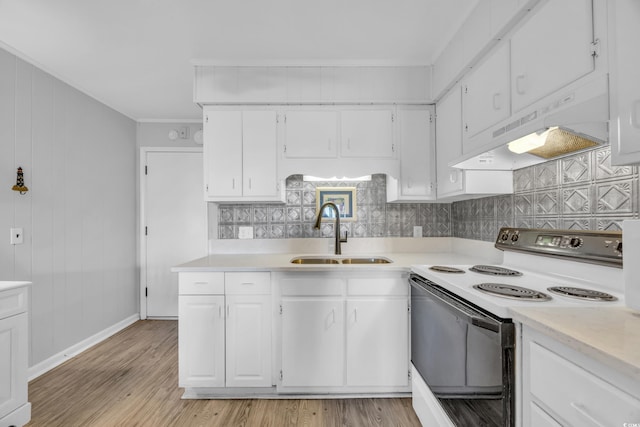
(448, 302)
(484, 324)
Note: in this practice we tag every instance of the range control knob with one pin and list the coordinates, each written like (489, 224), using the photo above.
(575, 242)
(504, 236)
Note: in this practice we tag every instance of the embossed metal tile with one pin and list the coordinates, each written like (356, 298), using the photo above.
(225, 215)
(550, 223)
(242, 214)
(577, 224)
(615, 197)
(576, 200)
(523, 179)
(523, 204)
(546, 203)
(603, 168)
(546, 174)
(610, 224)
(294, 214)
(576, 168)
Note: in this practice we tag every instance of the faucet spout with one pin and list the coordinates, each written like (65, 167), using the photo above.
(339, 240)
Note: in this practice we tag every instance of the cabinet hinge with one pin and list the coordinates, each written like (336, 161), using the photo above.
(393, 148)
(146, 170)
(280, 313)
(284, 148)
(466, 127)
(280, 374)
(206, 119)
(409, 375)
(595, 48)
(285, 119)
(430, 118)
(393, 118)
(466, 90)
(146, 292)
(146, 231)
(409, 307)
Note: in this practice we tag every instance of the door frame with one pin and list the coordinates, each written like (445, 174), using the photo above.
(141, 218)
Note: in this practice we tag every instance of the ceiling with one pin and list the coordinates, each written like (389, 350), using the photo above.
(137, 56)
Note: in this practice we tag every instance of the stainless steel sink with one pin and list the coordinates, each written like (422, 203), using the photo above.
(354, 260)
(310, 260)
(369, 260)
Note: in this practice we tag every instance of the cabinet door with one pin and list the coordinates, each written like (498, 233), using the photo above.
(248, 341)
(312, 342)
(259, 153)
(13, 363)
(311, 134)
(485, 94)
(377, 342)
(624, 127)
(222, 150)
(449, 142)
(417, 153)
(545, 56)
(201, 341)
(367, 133)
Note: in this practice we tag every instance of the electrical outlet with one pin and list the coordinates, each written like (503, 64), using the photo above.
(417, 231)
(245, 232)
(16, 236)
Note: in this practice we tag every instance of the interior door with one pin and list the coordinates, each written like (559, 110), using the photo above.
(175, 220)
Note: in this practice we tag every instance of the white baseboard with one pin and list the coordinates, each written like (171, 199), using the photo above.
(61, 357)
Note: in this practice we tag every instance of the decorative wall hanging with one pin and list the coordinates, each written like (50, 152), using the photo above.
(343, 197)
(20, 183)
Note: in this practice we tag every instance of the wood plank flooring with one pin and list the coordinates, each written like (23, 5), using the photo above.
(131, 379)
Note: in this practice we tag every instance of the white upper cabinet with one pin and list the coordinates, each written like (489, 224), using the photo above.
(417, 156)
(367, 133)
(311, 134)
(551, 50)
(486, 93)
(453, 183)
(624, 127)
(240, 155)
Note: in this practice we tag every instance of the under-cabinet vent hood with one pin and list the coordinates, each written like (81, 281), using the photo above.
(565, 123)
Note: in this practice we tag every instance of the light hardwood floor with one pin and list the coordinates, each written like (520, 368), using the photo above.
(131, 379)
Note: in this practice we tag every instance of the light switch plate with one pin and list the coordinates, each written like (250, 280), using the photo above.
(417, 231)
(16, 236)
(245, 232)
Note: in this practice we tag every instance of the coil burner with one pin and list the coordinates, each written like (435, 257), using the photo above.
(581, 293)
(513, 292)
(445, 269)
(494, 270)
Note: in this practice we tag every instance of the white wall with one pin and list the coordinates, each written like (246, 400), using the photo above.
(79, 216)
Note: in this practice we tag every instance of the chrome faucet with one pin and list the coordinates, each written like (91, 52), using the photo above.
(339, 240)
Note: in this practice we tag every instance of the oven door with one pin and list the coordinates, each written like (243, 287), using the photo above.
(464, 355)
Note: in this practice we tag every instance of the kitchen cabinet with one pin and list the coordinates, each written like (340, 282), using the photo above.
(311, 134)
(545, 56)
(416, 143)
(240, 155)
(486, 95)
(343, 332)
(367, 133)
(14, 408)
(564, 387)
(624, 126)
(458, 184)
(224, 330)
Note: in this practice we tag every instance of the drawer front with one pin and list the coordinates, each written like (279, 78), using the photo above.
(201, 283)
(378, 286)
(575, 395)
(312, 286)
(13, 301)
(252, 283)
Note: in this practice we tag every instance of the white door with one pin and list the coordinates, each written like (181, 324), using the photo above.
(377, 342)
(312, 343)
(175, 221)
(201, 341)
(248, 331)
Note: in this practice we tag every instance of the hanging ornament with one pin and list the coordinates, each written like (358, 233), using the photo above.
(20, 183)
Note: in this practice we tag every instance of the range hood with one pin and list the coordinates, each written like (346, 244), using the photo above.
(567, 122)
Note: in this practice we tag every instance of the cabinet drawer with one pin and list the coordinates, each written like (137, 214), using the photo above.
(378, 286)
(13, 301)
(312, 286)
(258, 283)
(201, 283)
(575, 395)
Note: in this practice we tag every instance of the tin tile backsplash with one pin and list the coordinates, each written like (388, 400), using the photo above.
(582, 191)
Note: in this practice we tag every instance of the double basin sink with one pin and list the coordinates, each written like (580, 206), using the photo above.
(331, 260)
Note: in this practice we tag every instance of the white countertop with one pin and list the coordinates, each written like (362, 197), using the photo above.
(5, 286)
(609, 335)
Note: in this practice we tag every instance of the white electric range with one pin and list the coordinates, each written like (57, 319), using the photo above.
(463, 338)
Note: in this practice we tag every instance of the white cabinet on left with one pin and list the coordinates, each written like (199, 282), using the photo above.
(14, 408)
(224, 330)
(240, 160)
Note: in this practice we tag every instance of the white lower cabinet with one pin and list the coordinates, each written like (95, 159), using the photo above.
(224, 330)
(14, 408)
(564, 387)
(343, 332)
